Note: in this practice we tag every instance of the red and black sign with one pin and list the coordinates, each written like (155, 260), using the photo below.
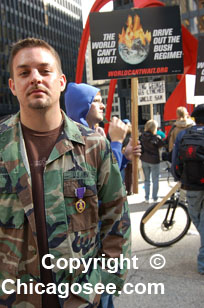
(136, 42)
(199, 83)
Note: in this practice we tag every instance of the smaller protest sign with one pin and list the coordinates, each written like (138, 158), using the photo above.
(152, 93)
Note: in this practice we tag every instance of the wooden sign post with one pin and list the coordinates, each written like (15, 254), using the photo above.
(170, 193)
(134, 120)
(151, 111)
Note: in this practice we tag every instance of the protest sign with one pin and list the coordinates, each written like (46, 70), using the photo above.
(199, 82)
(136, 42)
(190, 90)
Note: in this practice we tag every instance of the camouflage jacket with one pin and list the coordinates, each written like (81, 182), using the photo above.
(80, 158)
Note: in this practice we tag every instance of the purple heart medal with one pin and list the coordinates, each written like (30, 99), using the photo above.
(80, 205)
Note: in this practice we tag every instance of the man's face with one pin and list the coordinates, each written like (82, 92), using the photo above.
(95, 114)
(36, 80)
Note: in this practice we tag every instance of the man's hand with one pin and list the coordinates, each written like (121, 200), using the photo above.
(117, 130)
(130, 150)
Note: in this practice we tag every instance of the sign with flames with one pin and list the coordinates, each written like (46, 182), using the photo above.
(136, 43)
(133, 43)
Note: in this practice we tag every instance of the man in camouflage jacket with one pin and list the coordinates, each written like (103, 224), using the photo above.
(80, 158)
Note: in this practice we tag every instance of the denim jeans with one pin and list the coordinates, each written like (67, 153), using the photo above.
(152, 169)
(106, 301)
(196, 211)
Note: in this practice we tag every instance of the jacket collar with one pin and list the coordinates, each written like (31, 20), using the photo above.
(12, 142)
(70, 127)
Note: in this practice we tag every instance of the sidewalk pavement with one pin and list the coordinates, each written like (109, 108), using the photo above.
(183, 287)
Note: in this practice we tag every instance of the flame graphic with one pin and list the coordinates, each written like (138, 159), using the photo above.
(134, 31)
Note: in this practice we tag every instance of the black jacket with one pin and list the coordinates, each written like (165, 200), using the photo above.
(150, 147)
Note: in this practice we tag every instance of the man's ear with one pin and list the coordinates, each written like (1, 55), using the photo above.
(63, 82)
(12, 86)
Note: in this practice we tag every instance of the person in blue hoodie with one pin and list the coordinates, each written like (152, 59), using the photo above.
(84, 104)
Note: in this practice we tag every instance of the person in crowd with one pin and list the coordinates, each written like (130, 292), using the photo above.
(151, 143)
(191, 175)
(161, 133)
(183, 121)
(53, 171)
(84, 105)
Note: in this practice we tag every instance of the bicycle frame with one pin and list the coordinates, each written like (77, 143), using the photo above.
(170, 193)
(175, 200)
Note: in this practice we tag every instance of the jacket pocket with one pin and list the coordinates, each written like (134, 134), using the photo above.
(87, 218)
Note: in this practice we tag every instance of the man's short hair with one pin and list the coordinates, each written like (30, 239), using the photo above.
(31, 42)
(198, 114)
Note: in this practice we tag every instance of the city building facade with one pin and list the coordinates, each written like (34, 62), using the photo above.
(59, 22)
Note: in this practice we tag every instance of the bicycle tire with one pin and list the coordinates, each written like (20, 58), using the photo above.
(156, 233)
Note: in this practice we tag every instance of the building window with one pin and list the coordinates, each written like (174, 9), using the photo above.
(183, 6)
(193, 5)
(119, 2)
(201, 24)
(201, 4)
(194, 25)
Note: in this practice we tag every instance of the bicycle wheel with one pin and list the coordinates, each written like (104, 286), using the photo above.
(167, 225)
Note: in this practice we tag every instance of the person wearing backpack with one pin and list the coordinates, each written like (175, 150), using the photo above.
(188, 167)
(182, 122)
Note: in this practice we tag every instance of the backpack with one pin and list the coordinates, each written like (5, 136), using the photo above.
(166, 155)
(191, 158)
